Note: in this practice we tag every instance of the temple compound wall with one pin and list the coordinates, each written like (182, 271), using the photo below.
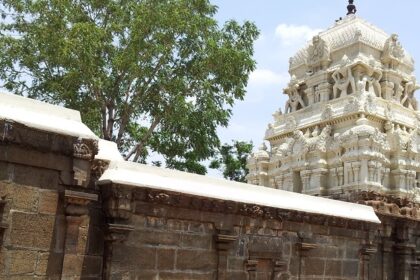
(71, 208)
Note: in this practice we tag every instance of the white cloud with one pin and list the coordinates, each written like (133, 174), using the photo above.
(266, 77)
(291, 35)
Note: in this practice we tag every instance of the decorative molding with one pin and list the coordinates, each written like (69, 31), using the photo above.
(353, 105)
(225, 241)
(117, 201)
(84, 149)
(251, 265)
(291, 123)
(3, 226)
(98, 168)
(77, 202)
(117, 233)
(319, 54)
(7, 132)
(213, 205)
(303, 246)
(388, 204)
(327, 114)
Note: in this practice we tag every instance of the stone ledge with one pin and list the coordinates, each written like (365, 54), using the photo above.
(173, 199)
(44, 141)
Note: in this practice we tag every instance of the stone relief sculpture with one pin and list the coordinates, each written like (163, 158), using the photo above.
(295, 101)
(290, 123)
(398, 93)
(370, 106)
(389, 115)
(392, 53)
(408, 99)
(343, 79)
(81, 150)
(327, 113)
(318, 54)
(370, 81)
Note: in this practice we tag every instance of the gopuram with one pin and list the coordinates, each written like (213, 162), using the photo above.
(350, 131)
(350, 122)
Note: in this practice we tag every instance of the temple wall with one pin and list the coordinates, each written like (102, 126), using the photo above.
(41, 236)
(169, 240)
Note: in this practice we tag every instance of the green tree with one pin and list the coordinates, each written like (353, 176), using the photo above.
(231, 159)
(152, 75)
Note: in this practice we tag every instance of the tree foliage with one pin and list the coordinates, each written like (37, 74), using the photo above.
(152, 75)
(231, 159)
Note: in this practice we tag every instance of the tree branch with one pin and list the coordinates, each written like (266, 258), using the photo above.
(110, 123)
(140, 146)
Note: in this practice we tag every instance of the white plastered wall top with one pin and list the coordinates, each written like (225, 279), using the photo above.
(43, 116)
(108, 150)
(139, 175)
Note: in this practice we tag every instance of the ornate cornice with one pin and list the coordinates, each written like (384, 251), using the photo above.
(388, 204)
(243, 209)
(19, 134)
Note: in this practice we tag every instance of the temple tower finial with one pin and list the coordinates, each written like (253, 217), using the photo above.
(351, 8)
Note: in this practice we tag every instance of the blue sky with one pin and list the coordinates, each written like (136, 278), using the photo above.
(285, 26)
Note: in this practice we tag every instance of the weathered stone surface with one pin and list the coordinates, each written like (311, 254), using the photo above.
(127, 258)
(42, 264)
(22, 262)
(166, 259)
(48, 202)
(183, 276)
(77, 265)
(196, 260)
(197, 241)
(32, 230)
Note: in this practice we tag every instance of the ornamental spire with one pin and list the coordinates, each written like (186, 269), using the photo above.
(351, 8)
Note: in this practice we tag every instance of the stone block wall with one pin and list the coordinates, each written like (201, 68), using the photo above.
(172, 236)
(50, 226)
(32, 243)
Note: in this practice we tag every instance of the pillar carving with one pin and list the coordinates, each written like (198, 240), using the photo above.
(399, 178)
(387, 263)
(224, 242)
(348, 173)
(306, 175)
(288, 181)
(334, 177)
(371, 171)
(3, 226)
(77, 228)
(325, 90)
(340, 173)
(403, 252)
(378, 175)
(279, 181)
(365, 254)
(356, 174)
(388, 89)
(117, 203)
(318, 179)
(310, 94)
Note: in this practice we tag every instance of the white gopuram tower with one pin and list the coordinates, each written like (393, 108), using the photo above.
(350, 123)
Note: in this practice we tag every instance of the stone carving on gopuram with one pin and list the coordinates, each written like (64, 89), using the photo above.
(350, 124)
